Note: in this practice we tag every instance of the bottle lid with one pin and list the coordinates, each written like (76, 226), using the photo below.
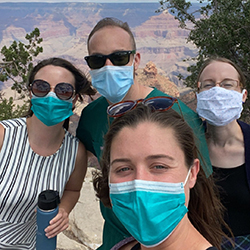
(48, 199)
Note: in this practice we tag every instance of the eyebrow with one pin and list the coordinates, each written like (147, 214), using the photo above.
(125, 160)
(150, 157)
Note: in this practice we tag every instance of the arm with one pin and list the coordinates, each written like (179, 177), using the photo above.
(70, 195)
(1, 136)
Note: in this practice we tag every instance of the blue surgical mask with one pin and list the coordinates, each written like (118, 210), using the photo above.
(50, 109)
(113, 82)
(149, 210)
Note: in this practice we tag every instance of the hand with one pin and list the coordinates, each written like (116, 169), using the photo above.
(58, 224)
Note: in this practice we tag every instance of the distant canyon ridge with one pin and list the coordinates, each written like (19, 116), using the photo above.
(64, 28)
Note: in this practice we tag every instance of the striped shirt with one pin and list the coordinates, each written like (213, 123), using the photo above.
(23, 175)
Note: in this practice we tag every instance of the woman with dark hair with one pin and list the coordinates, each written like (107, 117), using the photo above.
(37, 153)
(82, 84)
(221, 93)
(151, 178)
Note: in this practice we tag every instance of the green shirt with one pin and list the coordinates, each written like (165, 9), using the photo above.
(94, 124)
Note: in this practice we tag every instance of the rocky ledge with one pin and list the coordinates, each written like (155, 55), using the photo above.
(86, 222)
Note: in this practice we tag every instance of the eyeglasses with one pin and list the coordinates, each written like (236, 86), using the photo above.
(118, 58)
(226, 83)
(63, 90)
(159, 103)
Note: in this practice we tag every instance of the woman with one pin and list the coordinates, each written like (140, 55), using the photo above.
(150, 175)
(221, 92)
(37, 153)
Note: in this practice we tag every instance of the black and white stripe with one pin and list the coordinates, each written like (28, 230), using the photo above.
(23, 175)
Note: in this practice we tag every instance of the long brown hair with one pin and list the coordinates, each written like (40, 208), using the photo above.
(205, 208)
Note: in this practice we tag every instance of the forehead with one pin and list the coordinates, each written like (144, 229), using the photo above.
(146, 139)
(219, 71)
(55, 74)
(109, 39)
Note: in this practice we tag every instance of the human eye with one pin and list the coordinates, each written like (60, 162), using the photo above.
(123, 169)
(228, 84)
(159, 167)
(207, 84)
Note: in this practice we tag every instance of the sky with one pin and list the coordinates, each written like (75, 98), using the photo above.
(89, 1)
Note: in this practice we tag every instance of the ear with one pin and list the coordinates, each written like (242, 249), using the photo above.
(198, 86)
(137, 60)
(193, 173)
(75, 100)
(244, 98)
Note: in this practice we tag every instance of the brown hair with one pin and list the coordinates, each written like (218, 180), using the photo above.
(208, 61)
(113, 22)
(82, 84)
(205, 208)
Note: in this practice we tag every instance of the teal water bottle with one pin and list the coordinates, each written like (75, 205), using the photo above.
(47, 209)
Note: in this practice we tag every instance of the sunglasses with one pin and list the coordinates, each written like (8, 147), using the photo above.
(118, 58)
(159, 103)
(63, 90)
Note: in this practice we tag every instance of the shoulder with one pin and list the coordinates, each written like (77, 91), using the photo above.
(70, 137)
(17, 122)
(81, 159)
(10, 124)
(81, 152)
(243, 125)
(93, 113)
(245, 130)
(93, 119)
(97, 104)
(1, 135)
(76, 146)
(188, 113)
(156, 92)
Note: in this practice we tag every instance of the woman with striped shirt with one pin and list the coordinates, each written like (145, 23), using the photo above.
(38, 153)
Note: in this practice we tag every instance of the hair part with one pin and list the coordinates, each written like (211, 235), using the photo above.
(205, 208)
(112, 22)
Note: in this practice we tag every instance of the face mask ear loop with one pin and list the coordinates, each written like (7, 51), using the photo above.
(109, 176)
(187, 176)
(109, 187)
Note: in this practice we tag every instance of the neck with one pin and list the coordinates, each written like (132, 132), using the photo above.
(44, 140)
(137, 91)
(223, 135)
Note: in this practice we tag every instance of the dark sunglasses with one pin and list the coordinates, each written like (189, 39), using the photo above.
(41, 88)
(118, 58)
(159, 103)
